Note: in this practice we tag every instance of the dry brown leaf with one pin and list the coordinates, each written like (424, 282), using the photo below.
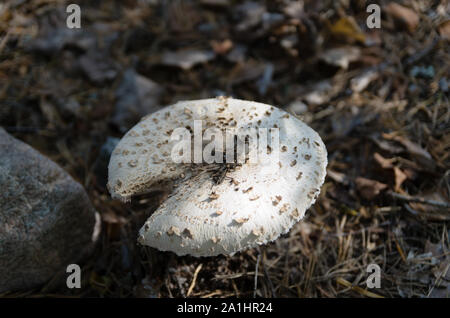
(249, 14)
(222, 47)
(384, 163)
(136, 96)
(50, 113)
(294, 9)
(99, 68)
(369, 188)
(319, 93)
(441, 272)
(412, 147)
(403, 16)
(347, 29)
(400, 177)
(337, 176)
(419, 153)
(113, 224)
(444, 30)
(186, 59)
(341, 56)
(429, 211)
(246, 72)
(360, 82)
(385, 145)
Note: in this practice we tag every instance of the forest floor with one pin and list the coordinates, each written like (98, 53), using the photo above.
(379, 98)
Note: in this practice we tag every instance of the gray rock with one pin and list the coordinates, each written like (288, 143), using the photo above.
(46, 218)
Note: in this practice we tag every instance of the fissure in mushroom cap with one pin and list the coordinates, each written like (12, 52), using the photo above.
(254, 205)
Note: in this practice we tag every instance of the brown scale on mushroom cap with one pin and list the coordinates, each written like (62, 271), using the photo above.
(250, 206)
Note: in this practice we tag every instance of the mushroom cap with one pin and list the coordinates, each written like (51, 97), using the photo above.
(253, 204)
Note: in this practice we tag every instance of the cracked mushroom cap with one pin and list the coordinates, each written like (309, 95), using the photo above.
(251, 204)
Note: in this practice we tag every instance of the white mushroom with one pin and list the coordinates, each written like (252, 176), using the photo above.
(217, 208)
